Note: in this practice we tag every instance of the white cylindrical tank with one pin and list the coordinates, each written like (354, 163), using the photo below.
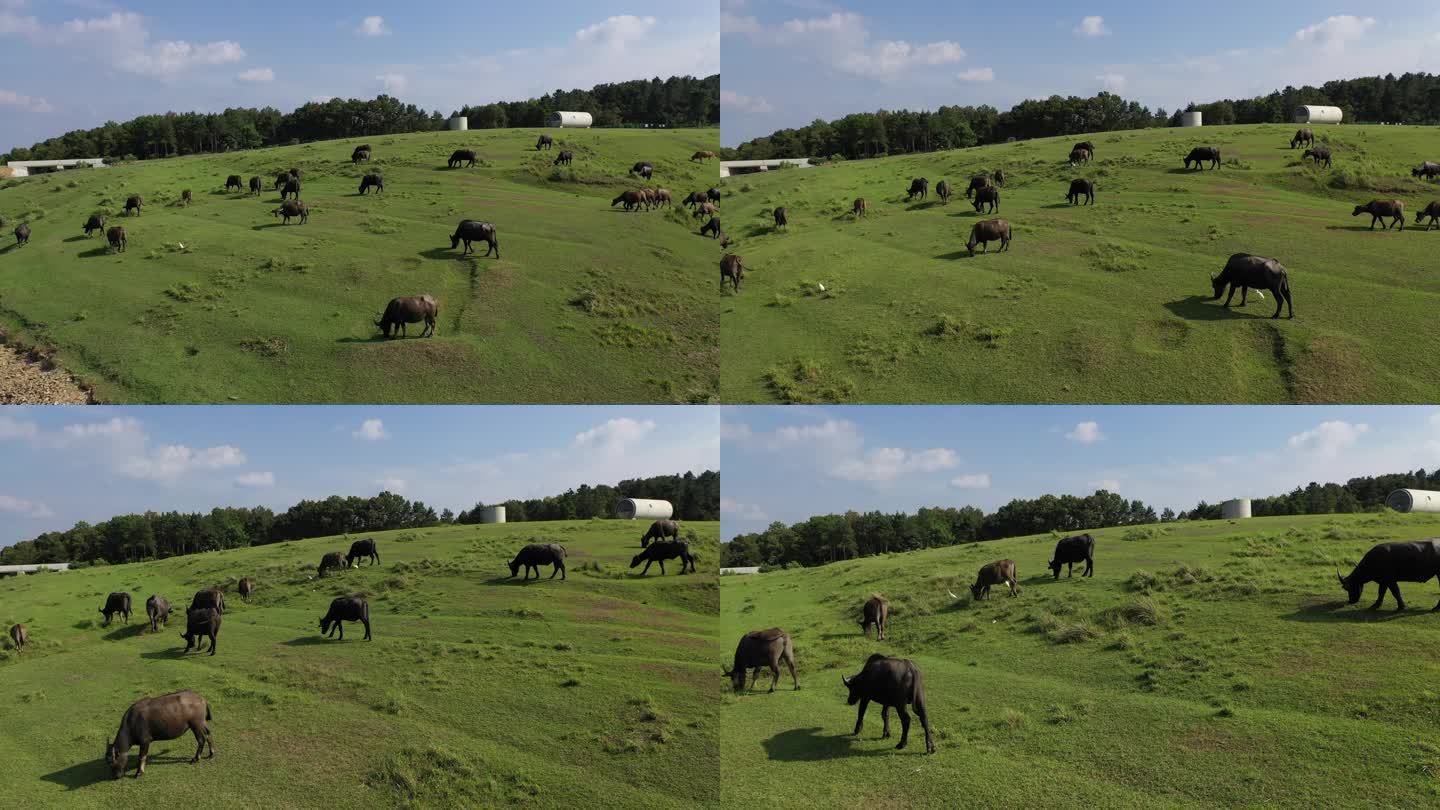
(1413, 500)
(459, 123)
(579, 120)
(636, 508)
(1235, 508)
(1192, 119)
(492, 514)
(1312, 114)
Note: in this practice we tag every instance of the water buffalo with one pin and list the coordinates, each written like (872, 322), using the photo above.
(157, 608)
(991, 230)
(346, 609)
(942, 190)
(781, 218)
(644, 168)
(633, 200)
(1201, 155)
(761, 649)
(22, 234)
(470, 231)
(693, 199)
(1000, 572)
(544, 142)
(94, 224)
(1432, 211)
(186, 197)
(1388, 564)
(714, 194)
(919, 187)
(999, 177)
(291, 189)
(1079, 156)
(893, 683)
(255, 185)
(159, 718)
(292, 208)
(661, 529)
(361, 152)
(702, 156)
(293, 172)
(1070, 550)
(662, 550)
(208, 599)
(875, 611)
(565, 158)
(725, 241)
(1319, 154)
(858, 209)
(662, 196)
(246, 587)
(537, 554)
(234, 181)
(19, 637)
(117, 602)
(370, 181)
(405, 310)
(133, 203)
(281, 179)
(361, 549)
(988, 196)
(1379, 210)
(1426, 171)
(116, 237)
(731, 267)
(1081, 188)
(333, 559)
(977, 182)
(705, 209)
(466, 156)
(1085, 145)
(1245, 271)
(200, 623)
(712, 227)
(1303, 136)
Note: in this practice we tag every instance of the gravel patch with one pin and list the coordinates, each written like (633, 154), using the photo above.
(25, 382)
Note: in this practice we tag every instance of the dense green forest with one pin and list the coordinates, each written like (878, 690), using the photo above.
(128, 538)
(1413, 98)
(827, 538)
(680, 101)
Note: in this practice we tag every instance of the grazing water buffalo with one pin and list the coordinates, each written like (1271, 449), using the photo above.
(706, 209)
(781, 220)
(466, 156)
(662, 550)
(893, 683)
(1201, 155)
(991, 230)
(470, 231)
(117, 602)
(1379, 210)
(988, 196)
(246, 587)
(712, 227)
(346, 609)
(537, 554)
(919, 187)
(18, 637)
(1432, 211)
(565, 158)
(977, 182)
(693, 199)
(1388, 564)
(1085, 145)
(255, 185)
(1081, 188)
(875, 611)
(1246, 271)
(1303, 136)
(1070, 550)
(370, 181)
(1078, 156)
(292, 208)
(859, 207)
(999, 177)
(293, 172)
(94, 224)
(201, 623)
(361, 549)
(632, 200)
(116, 237)
(733, 268)
(702, 156)
(159, 718)
(281, 179)
(713, 194)
(544, 142)
(661, 196)
(761, 649)
(22, 234)
(133, 203)
(1319, 154)
(233, 181)
(157, 608)
(942, 190)
(644, 168)
(361, 152)
(661, 529)
(291, 189)
(333, 559)
(405, 310)
(186, 197)
(1426, 170)
(210, 598)
(1000, 572)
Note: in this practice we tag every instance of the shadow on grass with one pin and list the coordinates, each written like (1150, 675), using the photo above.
(1187, 171)
(127, 631)
(77, 776)
(1062, 205)
(924, 206)
(167, 654)
(957, 255)
(311, 641)
(9, 247)
(1355, 228)
(809, 745)
(449, 253)
(376, 338)
(1337, 610)
(96, 252)
(1202, 308)
(80, 238)
(267, 227)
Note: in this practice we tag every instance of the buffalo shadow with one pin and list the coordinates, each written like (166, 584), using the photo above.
(1338, 610)
(9, 247)
(169, 653)
(1183, 170)
(79, 238)
(1064, 205)
(375, 338)
(131, 630)
(268, 226)
(924, 205)
(96, 252)
(311, 641)
(809, 745)
(959, 254)
(80, 775)
(1376, 229)
(1203, 308)
(453, 253)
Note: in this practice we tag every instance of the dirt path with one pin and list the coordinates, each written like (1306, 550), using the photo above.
(25, 382)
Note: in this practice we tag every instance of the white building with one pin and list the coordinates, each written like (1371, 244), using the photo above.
(1312, 114)
(22, 168)
(570, 120)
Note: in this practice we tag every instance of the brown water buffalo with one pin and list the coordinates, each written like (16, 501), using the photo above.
(370, 181)
(1070, 550)
(334, 560)
(1426, 171)
(919, 187)
(633, 200)
(893, 683)
(246, 587)
(858, 209)
(157, 608)
(661, 196)
(234, 181)
(1079, 156)
(977, 182)
(1081, 188)
(255, 186)
(694, 198)
(346, 609)
(201, 623)
(133, 203)
(534, 555)
(662, 550)
(782, 219)
(1246, 271)
(1379, 210)
(404, 310)
(991, 230)
(362, 549)
(1432, 211)
(1000, 572)
(999, 177)
(712, 227)
(565, 158)
(875, 611)
(466, 156)
(95, 224)
(22, 234)
(1303, 136)
(1201, 155)
(544, 142)
(361, 152)
(470, 231)
(732, 268)
(661, 529)
(1319, 154)
(761, 649)
(1389, 564)
(290, 209)
(117, 602)
(705, 209)
(702, 156)
(210, 598)
(186, 197)
(116, 237)
(19, 637)
(988, 196)
(942, 190)
(159, 718)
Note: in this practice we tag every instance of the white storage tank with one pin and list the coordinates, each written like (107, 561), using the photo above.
(459, 123)
(1192, 119)
(580, 120)
(1235, 508)
(1312, 114)
(1413, 500)
(492, 514)
(637, 508)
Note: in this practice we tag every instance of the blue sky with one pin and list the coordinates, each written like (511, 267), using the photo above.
(788, 464)
(63, 465)
(70, 64)
(788, 62)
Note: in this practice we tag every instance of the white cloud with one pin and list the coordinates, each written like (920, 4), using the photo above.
(1334, 33)
(1092, 27)
(31, 103)
(395, 485)
(371, 430)
(373, 27)
(1107, 484)
(1086, 433)
(115, 426)
(736, 510)
(888, 463)
(12, 428)
(984, 74)
(749, 104)
(122, 39)
(971, 481)
(321, 99)
(20, 506)
(1112, 82)
(256, 480)
(393, 83)
(616, 31)
(843, 40)
(168, 59)
(889, 58)
(257, 75)
(169, 462)
(1329, 438)
(615, 434)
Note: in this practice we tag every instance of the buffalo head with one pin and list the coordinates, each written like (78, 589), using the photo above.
(636, 560)
(1359, 209)
(117, 760)
(736, 676)
(976, 590)
(515, 568)
(1352, 589)
(853, 684)
(1054, 566)
(1217, 285)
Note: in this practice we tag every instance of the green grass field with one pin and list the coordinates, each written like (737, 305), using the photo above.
(586, 305)
(1204, 664)
(1100, 304)
(477, 691)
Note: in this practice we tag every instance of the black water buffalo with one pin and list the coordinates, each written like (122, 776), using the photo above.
(470, 231)
(291, 189)
(662, 550)
(1426, 171)
(1086, 145)
(346, 609)
(713, 194)
(632, 199)
(999, 177)
(290, 209)
(644, 168)
(94, 224)
(405, 310)
(1000, 572)
(332, 560)
(987, 197)
(782, 219)
(200, 623)
(875, 611)
(1379, 210)
(1388, 564)
(1432, 211)
(1070, 550)
(208, 599)
(19, 636)
(893, 683)
(732, 268)
(1245, 271)
(712, 227)
(157, 608)
(761, 649)
(1201, 155)
(919, 187)
(281, 179)
(159, 718)
(255, 185)
(370, 181)
(1319, 154)
(361, 549)
(234, 181)
(1303, 136)
(1081, 188)
(1078, 156)
(22, 234)
(977, 182)
(991, 230)
(537, 554)
(544, 142)
(116, 237)
(361, 152)
(943, 191)
(565, 158)
(117, 602)
(133, 203)
(858, 209)
(466, 156)
(186, 197)
(246, 587)
(660, 530)
(693, 199)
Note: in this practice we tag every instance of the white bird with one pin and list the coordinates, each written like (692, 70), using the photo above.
(181, 245)
(821, 286)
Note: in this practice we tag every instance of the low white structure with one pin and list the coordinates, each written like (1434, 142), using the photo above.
(1312, 114)
(637, 508)
(492, 514)
(459, 123)
(21, 168)
(572, 120)
(1192, 119)
(729, 167)
(1413, 500)
(744, 569)
(11, 570)
(1235, 509)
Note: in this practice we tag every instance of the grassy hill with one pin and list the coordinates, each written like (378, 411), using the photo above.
(1100, 304)
(1205, 664)
(476, 690)
(586, 305)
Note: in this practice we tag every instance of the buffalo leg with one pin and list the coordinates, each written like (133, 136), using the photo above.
(212, 642)
(340, 625)
(1089, 566)
(1380, 597)
(1070, 571)
(904, 726)
(774, 675)
(1280, 299)
(860, 716)
(885, 721)
(1244, 295)
(200, 735)
(662, 568)
(1399, 603)
(144, 754)
(555, 569)
(754, 678)
(366, 622)
(925, 724)
(647, 567)
(1013, 591)
(1231, 296)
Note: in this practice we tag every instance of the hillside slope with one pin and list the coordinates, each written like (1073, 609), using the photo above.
(1204, 664)
(476, 690)
(1091, 304)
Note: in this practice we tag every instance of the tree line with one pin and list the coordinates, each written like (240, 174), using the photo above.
(677, 101)
(1364, 494)
(1412, 98)
(157, 535)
